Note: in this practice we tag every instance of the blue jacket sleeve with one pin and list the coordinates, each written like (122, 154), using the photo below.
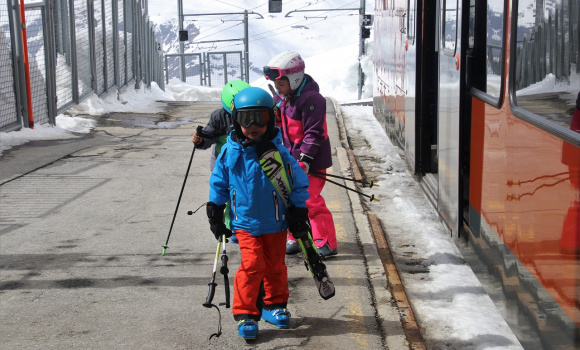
(219, 182)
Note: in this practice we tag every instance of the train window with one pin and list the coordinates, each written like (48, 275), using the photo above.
(450, 27)
(545, 77)
(485, 49)
(412, 5)
(494, 46)
(471, 33)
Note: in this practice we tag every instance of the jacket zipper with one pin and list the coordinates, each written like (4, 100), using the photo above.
(234, 205)
(276, 205)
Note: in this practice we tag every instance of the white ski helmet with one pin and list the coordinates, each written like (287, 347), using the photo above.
(289, 64)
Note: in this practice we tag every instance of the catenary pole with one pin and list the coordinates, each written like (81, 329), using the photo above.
(246, 47)
(361, 50)
(181, 43)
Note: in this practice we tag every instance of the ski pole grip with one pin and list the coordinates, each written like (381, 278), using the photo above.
(200, 133)
(210, 294)
(227, 288)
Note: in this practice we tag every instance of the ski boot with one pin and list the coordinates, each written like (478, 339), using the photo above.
(325, 250)
(248, 329)
(313, 262)
(279, 318)
(292, 247)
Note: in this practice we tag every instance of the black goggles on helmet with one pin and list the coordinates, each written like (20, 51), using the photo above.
(247, 117)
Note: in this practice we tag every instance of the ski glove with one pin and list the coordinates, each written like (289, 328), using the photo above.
(305, 167)
(299, 223)
(304, 162)
(215, 215)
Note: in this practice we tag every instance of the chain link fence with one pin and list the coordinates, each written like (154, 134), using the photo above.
(8, 103)
(75, 48)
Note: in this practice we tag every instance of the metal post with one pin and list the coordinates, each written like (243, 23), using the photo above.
(50, 58)
(18, 59)
(73, 50)
(115, 8)
(166, 71)
(181, 44)
(103, 28)
(225, 63)
(246, 46)
(361, 51)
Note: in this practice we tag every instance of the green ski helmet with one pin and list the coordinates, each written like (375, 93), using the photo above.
(229, 91)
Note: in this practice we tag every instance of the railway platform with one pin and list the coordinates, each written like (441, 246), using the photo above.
(83, 225)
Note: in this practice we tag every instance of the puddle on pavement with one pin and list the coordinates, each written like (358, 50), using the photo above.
(142, 121)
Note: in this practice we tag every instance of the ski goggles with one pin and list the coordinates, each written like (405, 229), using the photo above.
(247, 117)
(273, 73)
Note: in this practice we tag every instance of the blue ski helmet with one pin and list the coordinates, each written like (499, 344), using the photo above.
(229, 92)
(254, 98)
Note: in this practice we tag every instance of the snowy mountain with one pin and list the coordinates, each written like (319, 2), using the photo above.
(166, 33)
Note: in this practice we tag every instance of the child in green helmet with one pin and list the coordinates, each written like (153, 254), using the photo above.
(220, 125)
(220, 122)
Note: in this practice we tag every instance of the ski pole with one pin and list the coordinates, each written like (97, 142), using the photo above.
(224, 270)
(165, 246)
(371, 184)
(211, 292)
(371, 197)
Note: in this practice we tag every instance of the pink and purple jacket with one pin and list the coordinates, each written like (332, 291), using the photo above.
(303, 124)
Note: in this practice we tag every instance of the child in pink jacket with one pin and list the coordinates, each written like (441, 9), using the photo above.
(302, 112)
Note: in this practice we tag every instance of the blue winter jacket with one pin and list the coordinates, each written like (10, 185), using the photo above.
(255, 204)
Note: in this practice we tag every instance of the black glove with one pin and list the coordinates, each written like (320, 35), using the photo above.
(299, 224)
(215, 215)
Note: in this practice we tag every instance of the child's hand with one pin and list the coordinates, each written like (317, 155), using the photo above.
(196, 139)
(219, 229)
(304, 162)
(299, 223)
(215, 215)
(305, 166)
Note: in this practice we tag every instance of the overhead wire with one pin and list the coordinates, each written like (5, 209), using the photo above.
(271, 32)
(304, 20)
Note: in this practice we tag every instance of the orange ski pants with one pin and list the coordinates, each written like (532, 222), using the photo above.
(262, 259)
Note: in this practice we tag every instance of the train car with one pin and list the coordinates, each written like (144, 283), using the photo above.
(481, 96)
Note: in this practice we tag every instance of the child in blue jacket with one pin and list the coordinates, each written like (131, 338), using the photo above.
(259, 216)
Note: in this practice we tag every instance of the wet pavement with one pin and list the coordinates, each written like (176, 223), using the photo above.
(83, 223)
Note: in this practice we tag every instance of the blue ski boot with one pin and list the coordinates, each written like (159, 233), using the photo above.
(248, 329)
(279, 318)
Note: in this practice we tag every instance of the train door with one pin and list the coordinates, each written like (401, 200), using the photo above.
(427, 59)
(448, 113)
(421, 89)
(412, 71)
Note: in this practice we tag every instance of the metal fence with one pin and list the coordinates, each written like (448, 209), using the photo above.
(75, 47)
(550, 46)
(207, 68)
